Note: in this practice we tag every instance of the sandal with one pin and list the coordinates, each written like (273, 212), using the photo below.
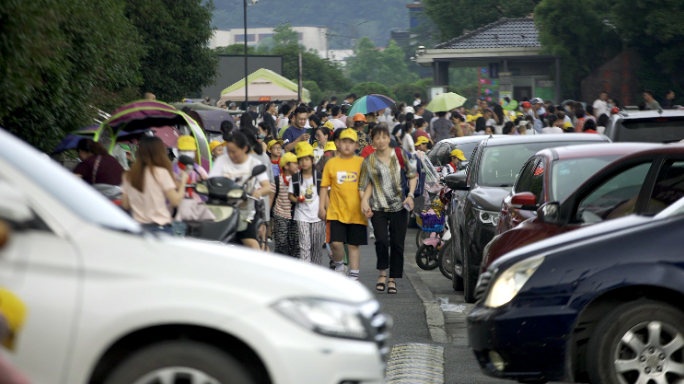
(392, 290)
(381, 286)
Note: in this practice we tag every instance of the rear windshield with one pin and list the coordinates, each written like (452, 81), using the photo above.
(653, 130)
(569, 174)
(500, 165)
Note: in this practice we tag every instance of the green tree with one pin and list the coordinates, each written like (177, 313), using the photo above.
(394, 69)
(284, 35)
(366, 63)
(324, 72)
(367, 88)
(61, 60)
(405, 91)
(234, 49)
(177, 60)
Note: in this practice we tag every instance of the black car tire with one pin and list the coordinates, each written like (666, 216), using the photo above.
(426, 257)
(204, 358)
(455, 254)
(601, 350)
(445, 260)
(469, 281)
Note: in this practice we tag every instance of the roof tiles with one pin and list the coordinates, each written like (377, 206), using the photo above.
(504, 33)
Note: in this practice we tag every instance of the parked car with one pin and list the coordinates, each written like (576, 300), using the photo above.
(662, 126)
(645, 179)
(110, 303)
(602, 304)
(489, 177)
(440, 154)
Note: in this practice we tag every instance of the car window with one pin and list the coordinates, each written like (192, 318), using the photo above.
(669, 187)
(569, 174)
(651, 130)
(437, 153)
(615, 198)
(441, 153)
(531, 179)
(471, 165)
(500, 165)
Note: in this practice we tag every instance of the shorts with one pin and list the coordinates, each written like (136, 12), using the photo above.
(352, 234)
(249, 233)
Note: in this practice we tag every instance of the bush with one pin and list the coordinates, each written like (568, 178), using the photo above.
(363, 89)
(405, 91)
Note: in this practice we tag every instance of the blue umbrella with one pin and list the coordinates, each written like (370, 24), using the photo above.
(370, 103)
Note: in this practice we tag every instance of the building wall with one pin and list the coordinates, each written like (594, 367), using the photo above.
(310, 37)
(617, 77)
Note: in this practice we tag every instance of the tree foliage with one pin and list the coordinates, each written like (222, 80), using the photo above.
(388, 67)
(367, 88)
(62, 59)
(177, 61)
(284, 35)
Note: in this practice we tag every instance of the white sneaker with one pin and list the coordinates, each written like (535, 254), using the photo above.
(343, 271)
(372, 235)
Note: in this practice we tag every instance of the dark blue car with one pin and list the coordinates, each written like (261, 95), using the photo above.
(602, 304)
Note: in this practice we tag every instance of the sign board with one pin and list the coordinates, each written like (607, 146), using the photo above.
(545, 83)
(493, 70)
(265, 98)
(436, 91)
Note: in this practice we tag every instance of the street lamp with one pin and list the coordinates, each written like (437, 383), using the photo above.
(253, 2)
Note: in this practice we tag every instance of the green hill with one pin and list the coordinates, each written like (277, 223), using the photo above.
(347, 20)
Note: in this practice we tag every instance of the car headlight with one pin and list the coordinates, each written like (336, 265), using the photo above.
(488, 217)
(509, 283)
(330, 318)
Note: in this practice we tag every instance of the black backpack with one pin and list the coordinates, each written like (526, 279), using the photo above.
(296, 179)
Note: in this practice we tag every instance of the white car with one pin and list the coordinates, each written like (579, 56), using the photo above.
(108, 303)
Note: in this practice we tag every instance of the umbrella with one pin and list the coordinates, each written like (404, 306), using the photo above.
(211, 121)
(446, 102)
(370, 103)
(71, 140)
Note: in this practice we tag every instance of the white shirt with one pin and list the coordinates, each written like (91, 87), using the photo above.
(308, 210)
(408, 144)
(600, 108)
(416, 102)
(224, 167)
(552, 130)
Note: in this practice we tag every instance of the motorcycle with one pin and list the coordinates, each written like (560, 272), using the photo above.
(223, 197)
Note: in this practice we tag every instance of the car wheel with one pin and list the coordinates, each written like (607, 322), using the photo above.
(638, 342)
(469, 281)
(176, 362)
(420, 236)
(426, 257)
(444, 257)
(456, 266)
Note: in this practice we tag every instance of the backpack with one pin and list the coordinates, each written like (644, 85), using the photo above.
(420, 184)
(297, 177)
(275, 198)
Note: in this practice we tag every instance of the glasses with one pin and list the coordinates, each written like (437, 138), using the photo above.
(276, 148)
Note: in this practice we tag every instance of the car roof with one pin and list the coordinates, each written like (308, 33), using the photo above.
(467, 139)
(627, 115)
(522, 139)
(596, 150)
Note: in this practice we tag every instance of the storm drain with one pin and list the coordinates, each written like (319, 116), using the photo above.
(415, 364)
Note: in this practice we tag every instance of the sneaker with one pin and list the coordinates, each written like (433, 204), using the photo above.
(372, 235)
(343, 271)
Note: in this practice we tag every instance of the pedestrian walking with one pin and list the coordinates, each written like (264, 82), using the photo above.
(304, 193)
(601, 104)
(296, 133)
(285, 232)
(384, 203)
(359, 122)
(651, 102)
(150, 184)
(345, 224)
(275, 150)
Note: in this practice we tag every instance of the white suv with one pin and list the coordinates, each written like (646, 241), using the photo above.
(109, 303)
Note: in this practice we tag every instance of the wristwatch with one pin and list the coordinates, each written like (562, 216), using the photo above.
(412, 195)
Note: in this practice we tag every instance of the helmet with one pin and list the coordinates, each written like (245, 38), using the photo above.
(304, 149)
(359, 117)
(187, 143)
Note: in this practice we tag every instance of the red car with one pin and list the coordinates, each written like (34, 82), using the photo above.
(614, 180)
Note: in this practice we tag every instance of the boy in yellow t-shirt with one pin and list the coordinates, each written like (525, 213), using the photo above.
(345, 221)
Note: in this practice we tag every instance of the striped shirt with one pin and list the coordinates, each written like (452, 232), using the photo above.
(386, 181)
(283, 205)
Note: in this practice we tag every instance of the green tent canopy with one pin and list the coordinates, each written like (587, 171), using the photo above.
(263, 84)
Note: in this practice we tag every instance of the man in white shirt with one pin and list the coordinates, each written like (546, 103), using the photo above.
(417, 100)
(601, 105)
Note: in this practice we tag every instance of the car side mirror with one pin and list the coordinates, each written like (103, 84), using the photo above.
(525, 200)
(258, 169)
(549, 213)
(13, 205)
(457, 181)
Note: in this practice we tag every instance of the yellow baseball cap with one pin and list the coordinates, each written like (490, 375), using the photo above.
(14, 311)
(470, 118)
(421, 140)
(287, 158)
(187, 143)
(328, 124)
(330, 146)
(304, 149)
(274, 142)
(349, 133)
(214, 144)
(458, 154)
(567, 125)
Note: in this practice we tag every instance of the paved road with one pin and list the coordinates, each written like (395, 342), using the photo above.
(408, 308)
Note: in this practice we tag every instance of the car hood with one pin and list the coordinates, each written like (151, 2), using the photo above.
(263, 277)
(489, 198)
(569, 239)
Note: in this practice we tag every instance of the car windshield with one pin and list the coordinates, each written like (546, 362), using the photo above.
(74, 193)
(653, 130)
(501, 164)
(569, 174)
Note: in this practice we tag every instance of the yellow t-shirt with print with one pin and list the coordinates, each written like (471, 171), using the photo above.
(342, 176)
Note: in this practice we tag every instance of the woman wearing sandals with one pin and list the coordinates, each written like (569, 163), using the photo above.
(383, 202)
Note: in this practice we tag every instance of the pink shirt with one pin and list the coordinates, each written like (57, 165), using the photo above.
(150, 205)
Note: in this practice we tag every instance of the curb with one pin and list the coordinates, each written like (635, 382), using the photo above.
(433, 312)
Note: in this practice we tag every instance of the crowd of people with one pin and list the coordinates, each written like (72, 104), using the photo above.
(329, 176)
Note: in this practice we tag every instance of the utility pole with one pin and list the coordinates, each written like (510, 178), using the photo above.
(246, 71)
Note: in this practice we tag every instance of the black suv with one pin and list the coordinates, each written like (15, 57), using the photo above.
(493, 169)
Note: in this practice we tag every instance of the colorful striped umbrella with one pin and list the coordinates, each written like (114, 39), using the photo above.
(370, 103)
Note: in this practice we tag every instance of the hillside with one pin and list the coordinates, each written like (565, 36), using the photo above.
(347, 20)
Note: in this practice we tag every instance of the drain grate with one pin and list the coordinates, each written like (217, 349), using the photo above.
(416, 364)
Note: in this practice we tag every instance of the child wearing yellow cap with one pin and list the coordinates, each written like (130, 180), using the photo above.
(346, 224)
(274, 150)
(457, 157)
(187, 146)
(285, 233)
(304, 193)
